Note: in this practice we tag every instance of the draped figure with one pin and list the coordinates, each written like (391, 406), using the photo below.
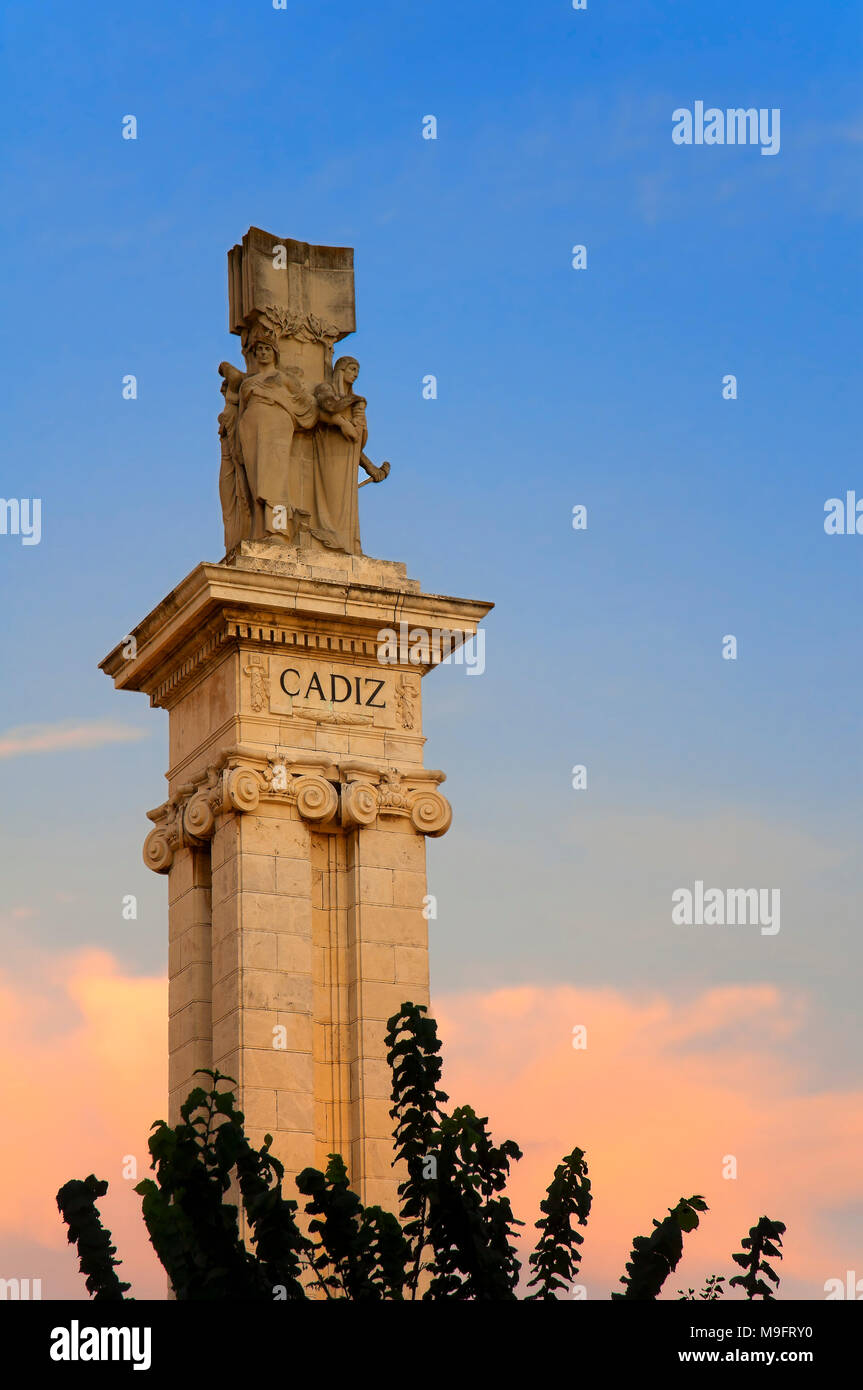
(339, 442)
(264, 407)
(268, 488)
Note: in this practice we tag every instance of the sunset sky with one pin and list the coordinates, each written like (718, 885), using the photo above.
(556, 387)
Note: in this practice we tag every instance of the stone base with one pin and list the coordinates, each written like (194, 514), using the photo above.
(310, 559)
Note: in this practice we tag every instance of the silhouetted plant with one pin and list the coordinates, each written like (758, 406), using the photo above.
(556, 1258)
(448, 1201)
(655, 1256)
(193, 1230)
(712, 1290)
(763, 1239)
(77, 1203)
(361, 1251)
(453, 1238)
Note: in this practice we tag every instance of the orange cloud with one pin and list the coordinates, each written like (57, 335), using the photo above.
(83, 1070)
(660, 1095)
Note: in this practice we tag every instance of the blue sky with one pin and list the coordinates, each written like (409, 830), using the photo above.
(556, 387)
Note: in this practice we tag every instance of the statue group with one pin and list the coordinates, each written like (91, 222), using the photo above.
(291, 452)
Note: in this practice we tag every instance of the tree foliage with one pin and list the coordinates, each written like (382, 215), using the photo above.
(77, 1203)
(655, 1256)
(556, 1258)
(763, 1239)
(220, 1224)
(713, 1290)
(194, 1230)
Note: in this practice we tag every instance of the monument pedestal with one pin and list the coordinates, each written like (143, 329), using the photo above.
(293, 835)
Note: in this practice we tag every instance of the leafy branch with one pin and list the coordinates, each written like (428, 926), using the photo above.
(763, 1239)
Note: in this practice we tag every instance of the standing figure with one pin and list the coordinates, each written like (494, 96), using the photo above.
(339, 441)
(234, 493)
(271, 403)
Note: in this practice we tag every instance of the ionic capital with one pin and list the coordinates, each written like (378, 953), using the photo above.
(351, 794)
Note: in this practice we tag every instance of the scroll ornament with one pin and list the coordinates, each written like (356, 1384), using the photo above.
(431, 813)
(316, 798)
(355, 801)
(360, 803)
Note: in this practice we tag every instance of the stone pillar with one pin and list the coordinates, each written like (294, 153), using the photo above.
(190, 975)
(294, 835)
(262, 965)
(389, 964)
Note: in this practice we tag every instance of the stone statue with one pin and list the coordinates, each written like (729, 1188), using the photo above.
(291, 451)
(339, 442)
(234, 493)
(272, 403)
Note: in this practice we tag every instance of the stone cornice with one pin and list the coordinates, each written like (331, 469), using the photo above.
(217, 605)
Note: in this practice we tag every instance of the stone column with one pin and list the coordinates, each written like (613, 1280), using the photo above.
(294, 837)
(388, 965)
(190, 975)
(262, 962)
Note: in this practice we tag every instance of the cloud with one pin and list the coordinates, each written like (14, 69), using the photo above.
(664, 1091)
(662, 1094)
(65, 735)
(84, 1073)
(597, 889)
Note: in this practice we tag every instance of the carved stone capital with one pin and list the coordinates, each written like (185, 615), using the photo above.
(243, 787)
(159, 851)
(316, 798)
(348, 793)
(431, 813)
(199, 815)
(359, 802)
(161, 843)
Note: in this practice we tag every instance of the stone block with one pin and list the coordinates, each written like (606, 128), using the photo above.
(296, 1110)
(259, 1108)
(294, 953)
(192, 1024)
(191, 910)
(226, 957)
(409, 889)
(278, 835)
(191, 947)
(289, 1071)
(374, 886)
(274, 989)
(385, 849)
(293, 877)
(370, 1000)
(372, 1077)
(396, 926)
(194, 984)
(412, 965)
(372, 962)
(260, 950)
(258, 873)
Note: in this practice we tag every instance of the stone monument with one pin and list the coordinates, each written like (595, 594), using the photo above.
(293, 833)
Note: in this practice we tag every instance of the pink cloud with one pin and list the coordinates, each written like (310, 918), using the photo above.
(83, 1068)
(65, 735)
(660, 1095)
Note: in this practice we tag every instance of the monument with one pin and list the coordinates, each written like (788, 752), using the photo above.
(293, 832)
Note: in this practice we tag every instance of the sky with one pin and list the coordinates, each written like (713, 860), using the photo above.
(556, 387)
